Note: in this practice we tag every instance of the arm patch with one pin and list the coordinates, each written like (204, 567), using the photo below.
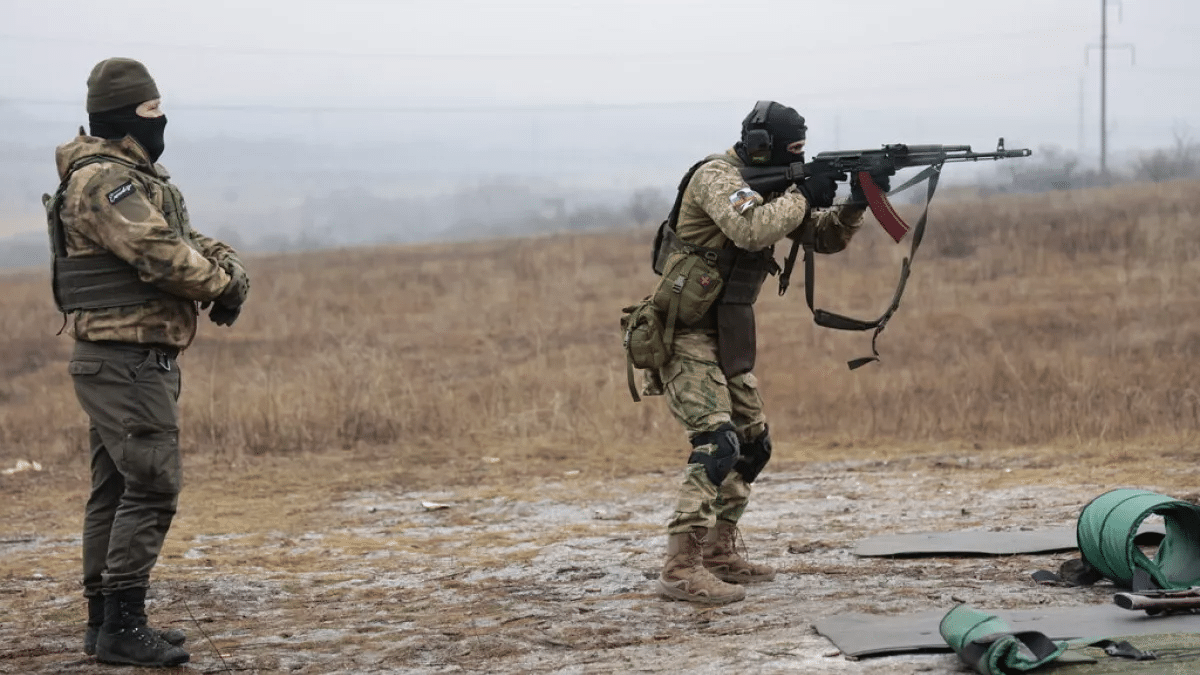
(744, 199)
(121, 192)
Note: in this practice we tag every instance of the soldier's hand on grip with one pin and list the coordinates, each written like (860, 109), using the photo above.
(819, 189)
(881, 179)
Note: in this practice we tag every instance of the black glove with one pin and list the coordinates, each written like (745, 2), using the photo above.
(881, 179)
(819, 189)
(223, 315)
(228, 305)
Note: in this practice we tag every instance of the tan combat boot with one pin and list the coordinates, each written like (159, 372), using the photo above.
(722, 559)
(684, 578)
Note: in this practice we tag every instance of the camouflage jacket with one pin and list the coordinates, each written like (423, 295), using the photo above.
(710, 215)
(135, 213)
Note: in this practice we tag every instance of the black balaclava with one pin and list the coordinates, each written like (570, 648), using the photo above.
(783, 125)
(116, 124)
(115, 89)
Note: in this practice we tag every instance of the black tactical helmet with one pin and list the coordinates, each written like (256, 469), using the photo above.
(767, 131)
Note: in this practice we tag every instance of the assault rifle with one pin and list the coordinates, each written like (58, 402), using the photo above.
(886, 160)
(861, 164)
(1161, 602)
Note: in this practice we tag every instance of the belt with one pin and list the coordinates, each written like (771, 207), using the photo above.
(169, 351)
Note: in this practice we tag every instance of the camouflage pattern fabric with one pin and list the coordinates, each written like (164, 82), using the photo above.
(702, 399)
(713, 214)
(139, 216)
(708, 217)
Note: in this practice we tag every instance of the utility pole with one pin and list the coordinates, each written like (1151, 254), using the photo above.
(1079, 146)
(1104, 81)
(1103, 87)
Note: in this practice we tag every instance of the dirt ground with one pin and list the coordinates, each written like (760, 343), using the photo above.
(320, 565)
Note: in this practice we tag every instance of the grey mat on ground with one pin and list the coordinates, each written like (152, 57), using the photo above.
(973, 542)
(874, 635)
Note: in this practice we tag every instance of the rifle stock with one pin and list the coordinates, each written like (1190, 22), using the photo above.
(1155, 602)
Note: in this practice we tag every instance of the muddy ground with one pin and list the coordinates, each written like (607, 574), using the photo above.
(311, 566)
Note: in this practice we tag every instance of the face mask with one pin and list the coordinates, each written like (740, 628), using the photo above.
(149, 133)
(116, 124)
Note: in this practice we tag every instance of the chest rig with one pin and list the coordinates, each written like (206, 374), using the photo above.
(742, 273)
(103, 280)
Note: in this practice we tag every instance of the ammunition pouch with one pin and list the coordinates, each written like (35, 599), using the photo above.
(690, 284)
(644, 340)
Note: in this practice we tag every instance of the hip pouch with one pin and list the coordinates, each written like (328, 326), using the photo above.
(691, 282)
(645, 340)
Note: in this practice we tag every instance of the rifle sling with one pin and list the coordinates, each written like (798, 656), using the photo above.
(839, 321)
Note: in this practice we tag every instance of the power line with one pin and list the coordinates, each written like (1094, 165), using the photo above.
(487, 108)
(445, 56)
(579, 106)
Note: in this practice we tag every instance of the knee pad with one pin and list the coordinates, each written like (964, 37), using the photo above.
(754, 456)
(720, 461)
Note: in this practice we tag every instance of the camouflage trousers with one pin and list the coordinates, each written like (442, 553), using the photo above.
(130, 393)
(703, 399)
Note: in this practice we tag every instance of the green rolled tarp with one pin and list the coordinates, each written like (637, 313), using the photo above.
(1109, 524)
(989, 645)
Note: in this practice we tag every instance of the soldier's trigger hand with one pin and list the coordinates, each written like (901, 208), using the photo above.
(820, 189)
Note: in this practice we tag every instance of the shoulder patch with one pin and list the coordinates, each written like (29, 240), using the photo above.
(744, 199)
(123, 191)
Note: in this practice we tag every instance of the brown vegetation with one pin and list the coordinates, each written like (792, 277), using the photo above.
(1064, 317)
(1041, 355)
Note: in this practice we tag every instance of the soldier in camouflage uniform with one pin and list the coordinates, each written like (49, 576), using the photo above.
(130, 270)
(708, 380)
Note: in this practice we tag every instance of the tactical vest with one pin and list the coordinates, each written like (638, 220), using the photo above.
(743, 273)
(102, 280)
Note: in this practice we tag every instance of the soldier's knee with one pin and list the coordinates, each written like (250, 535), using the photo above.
(754, 456)
(722, 457)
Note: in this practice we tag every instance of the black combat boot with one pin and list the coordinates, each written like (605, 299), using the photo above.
(96, 619)
(125, 639)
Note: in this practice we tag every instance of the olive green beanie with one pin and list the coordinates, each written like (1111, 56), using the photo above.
(116, 83)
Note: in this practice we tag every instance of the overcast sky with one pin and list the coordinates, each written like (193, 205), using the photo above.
(607, 95)
(1031, 66)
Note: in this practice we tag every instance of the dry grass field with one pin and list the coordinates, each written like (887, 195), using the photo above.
(1065, 317)
(1045, 339)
